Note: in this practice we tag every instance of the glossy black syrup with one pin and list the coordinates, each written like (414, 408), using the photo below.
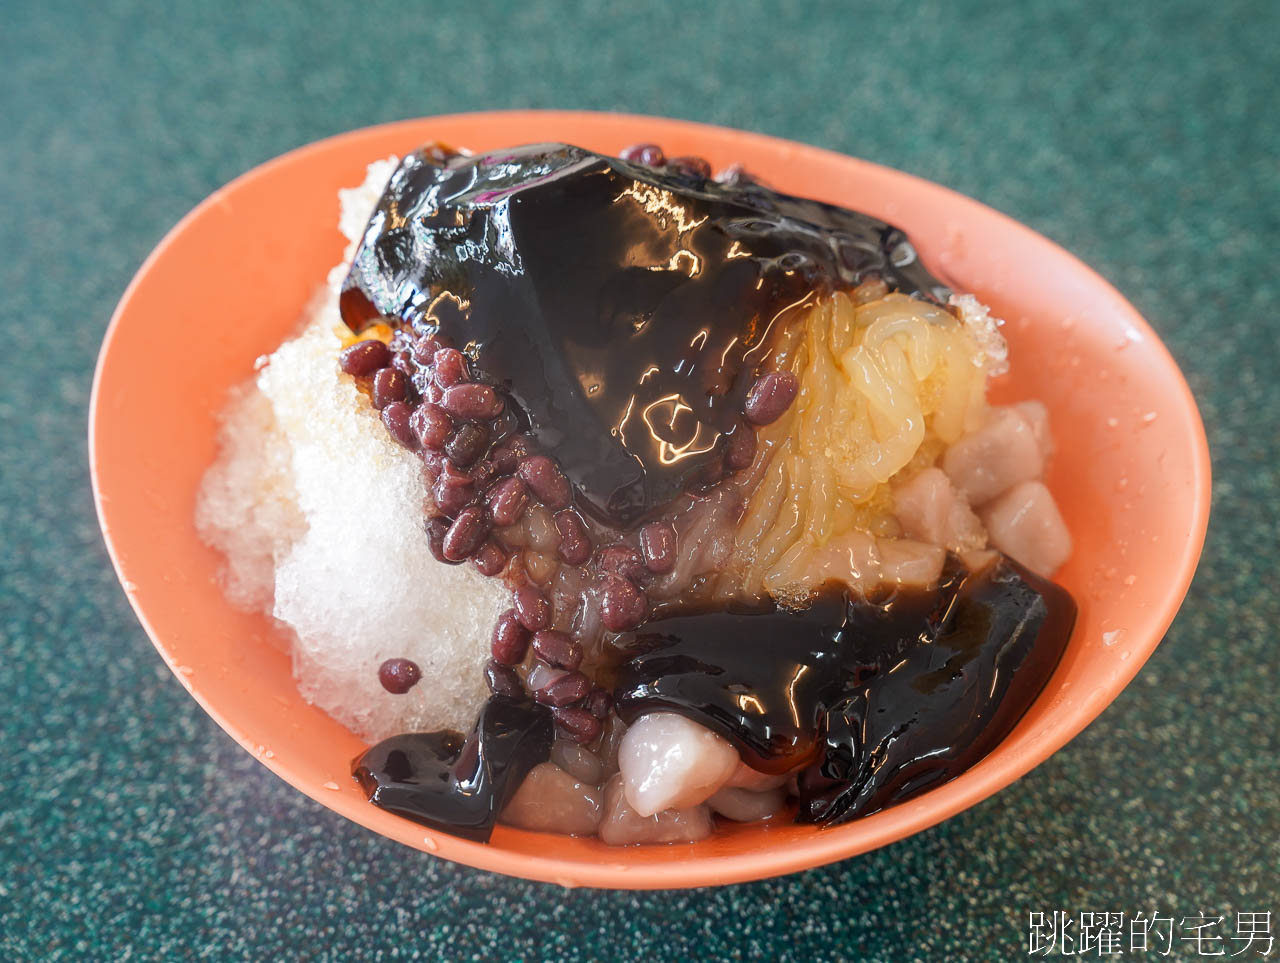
(456, 784)
(625, 310)
(879, 701)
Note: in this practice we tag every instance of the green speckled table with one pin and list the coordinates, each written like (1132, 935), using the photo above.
(1142, 136)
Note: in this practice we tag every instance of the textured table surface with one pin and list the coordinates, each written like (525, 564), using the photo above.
(1141, 136)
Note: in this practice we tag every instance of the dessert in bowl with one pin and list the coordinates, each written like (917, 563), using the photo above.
(1062, 319)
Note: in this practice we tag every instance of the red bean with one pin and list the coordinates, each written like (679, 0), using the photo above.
(395, 417)
(450, 366)
(473, 402)
(434, 462)
(622, 605)
(578, 724)
(740, 448)
(452, 475)
(389, 385)
(431, 424)
(689, 164)
(503, 426)
(508, 454)
(466, 534)
(648, 154)
(533, 609)
(575, 543)
(467, 443)
(436, 529)
(451, 499)
(510, 639)
(621, 560)
(398, 676)
(566, 690)
(364, 358)
(770, 396)
(546, 481)
(503, 680)
(489, 559)
(425, 350)
(599, 703)
(482, 472)
(507, 501)
(558, 649)
(658, 544)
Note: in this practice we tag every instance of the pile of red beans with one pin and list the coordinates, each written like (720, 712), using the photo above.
(483, 477)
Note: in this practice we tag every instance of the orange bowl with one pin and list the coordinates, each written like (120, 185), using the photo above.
(230, 282)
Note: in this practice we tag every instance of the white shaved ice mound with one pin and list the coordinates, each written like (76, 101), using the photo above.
(320, 516)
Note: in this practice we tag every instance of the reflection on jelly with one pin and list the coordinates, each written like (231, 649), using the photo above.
(874, 701)
(456, 785)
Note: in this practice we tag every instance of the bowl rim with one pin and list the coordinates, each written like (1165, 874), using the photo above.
(821, 848)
